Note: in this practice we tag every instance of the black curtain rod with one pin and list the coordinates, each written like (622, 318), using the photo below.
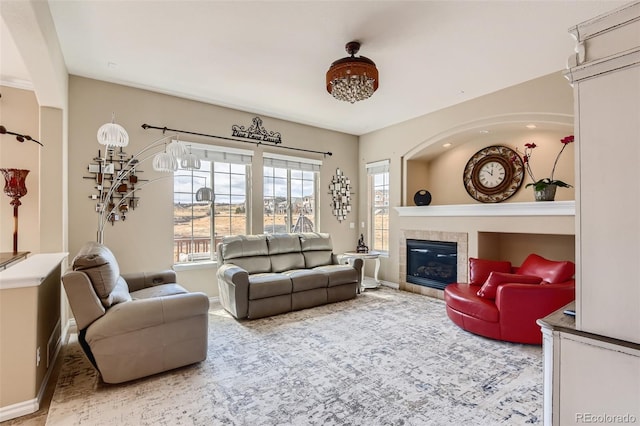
(166, 129)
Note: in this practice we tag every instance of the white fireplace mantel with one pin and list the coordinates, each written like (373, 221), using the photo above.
(540, 208)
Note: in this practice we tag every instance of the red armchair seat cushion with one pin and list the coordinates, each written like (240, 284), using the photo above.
(463, 298)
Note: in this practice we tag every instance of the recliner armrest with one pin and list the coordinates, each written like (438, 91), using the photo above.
(140, 280)
(140, 314)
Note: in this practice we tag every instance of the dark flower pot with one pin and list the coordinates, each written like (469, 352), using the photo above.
(548, 193)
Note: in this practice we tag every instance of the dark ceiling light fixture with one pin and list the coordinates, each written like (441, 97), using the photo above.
(352, 79)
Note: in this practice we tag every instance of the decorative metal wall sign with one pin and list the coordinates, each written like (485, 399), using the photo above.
(340, 191)
(256, 132)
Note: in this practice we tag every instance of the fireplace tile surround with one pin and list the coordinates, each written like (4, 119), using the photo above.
(462, 240)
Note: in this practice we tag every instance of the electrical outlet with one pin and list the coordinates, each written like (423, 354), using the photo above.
(38, 357)
(352, 225)
(362, 225)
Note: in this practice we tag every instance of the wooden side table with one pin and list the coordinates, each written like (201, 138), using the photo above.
(366, 256)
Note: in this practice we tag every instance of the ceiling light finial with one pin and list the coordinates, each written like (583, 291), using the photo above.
(352, 78)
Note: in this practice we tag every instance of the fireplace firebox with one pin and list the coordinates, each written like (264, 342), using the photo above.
(432, 263)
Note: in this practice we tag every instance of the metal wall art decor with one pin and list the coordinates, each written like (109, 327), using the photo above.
(256, 132)
(19, 137)
(340, 191)
(106, 172)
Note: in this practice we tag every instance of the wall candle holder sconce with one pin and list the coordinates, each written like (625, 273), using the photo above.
(15, 188)
(340, 191)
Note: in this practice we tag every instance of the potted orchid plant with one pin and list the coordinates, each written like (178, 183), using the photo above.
(545, 188)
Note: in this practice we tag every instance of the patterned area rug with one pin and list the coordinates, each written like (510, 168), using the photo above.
(386, 358)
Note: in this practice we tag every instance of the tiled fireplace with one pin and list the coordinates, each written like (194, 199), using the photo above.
(461, 240)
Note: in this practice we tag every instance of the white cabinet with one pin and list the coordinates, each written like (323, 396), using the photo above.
(588, 378)
(606, 80)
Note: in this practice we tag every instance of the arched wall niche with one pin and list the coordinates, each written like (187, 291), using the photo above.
(430, 164)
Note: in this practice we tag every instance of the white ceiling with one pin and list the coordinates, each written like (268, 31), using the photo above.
(270, 58)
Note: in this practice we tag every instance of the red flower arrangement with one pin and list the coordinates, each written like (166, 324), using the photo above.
(539, 185)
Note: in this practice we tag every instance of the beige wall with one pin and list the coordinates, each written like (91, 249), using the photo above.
(19, 112)
(548, 96)
(144, 242)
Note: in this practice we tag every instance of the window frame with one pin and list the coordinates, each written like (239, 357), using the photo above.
(290, 163)
(213, 154)
(374, 169)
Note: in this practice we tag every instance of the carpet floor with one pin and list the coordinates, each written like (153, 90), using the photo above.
(387, 357)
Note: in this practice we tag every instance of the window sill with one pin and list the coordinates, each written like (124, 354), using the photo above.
(190, 266)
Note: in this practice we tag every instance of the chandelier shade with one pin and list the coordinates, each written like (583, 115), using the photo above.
(352, 79)
(165, 162)
(112, 134)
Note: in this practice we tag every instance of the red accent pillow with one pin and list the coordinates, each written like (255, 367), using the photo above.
(552, 271)
(490, 287)
(479, 269)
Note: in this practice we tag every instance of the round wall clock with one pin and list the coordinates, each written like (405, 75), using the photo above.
(493, 174)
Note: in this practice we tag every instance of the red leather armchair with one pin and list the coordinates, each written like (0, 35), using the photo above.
(503, 303)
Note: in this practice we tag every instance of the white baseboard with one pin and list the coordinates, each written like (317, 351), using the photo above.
(395, 286)
(19, 409)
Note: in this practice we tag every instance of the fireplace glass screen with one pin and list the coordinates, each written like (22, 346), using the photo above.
(432, 263)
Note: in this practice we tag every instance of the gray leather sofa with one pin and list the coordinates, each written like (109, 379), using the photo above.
(263, 275)
(132, 326)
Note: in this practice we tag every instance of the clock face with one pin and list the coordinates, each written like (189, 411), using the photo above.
(493, 174)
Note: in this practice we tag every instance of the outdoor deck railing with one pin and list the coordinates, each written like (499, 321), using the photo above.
(191, 246)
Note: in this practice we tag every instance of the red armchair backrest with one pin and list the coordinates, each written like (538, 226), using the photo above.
(551, 271)
(479, 269)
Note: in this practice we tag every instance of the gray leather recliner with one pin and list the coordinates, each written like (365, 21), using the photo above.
(135, 325)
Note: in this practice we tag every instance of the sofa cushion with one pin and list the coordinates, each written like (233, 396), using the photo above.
(268, 285)
(305, 279)
(243, 246)
(286, 262)
(119, 294)
(338, 274)
(551, 271)
(490, 286)
(317, 258)
(100, 265)
(311, 241)
(463, 298)
(283, 243)
(479, 269)
(252, 264)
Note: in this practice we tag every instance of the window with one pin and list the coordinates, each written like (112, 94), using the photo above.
(199, 225)
(290, 194)
(378, 183)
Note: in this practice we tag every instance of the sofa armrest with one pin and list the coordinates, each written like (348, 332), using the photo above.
(84, 301)
(357, 263)
(137, 315)
(138, 281)
(233, 285)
